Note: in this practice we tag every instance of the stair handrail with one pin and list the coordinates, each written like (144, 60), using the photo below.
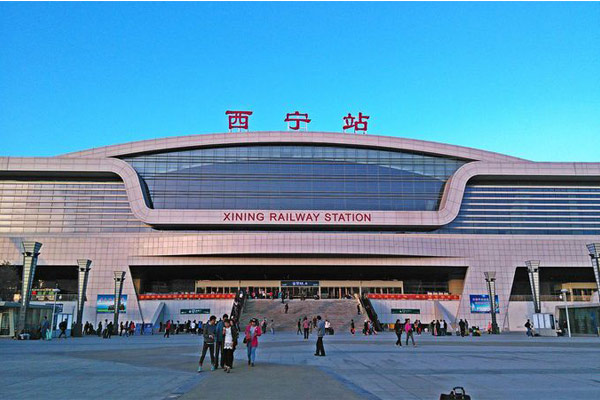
(238, 305)
(366, 304)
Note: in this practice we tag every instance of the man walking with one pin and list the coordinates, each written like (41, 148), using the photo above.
(299, 331)
(398, 330)
(45, 328)
(306, 325)
(320, 333)
(209, 343)
(219, 342)
(528, 326)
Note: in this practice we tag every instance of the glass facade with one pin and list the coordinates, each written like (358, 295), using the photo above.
(66, 207)
(541, 210)
(294, 177)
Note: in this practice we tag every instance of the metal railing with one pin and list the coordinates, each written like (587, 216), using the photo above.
(368, 307)
(238, 305)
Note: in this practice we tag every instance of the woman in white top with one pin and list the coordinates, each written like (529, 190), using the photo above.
(229, 342)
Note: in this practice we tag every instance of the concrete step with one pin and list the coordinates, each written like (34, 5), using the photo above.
(338, 312)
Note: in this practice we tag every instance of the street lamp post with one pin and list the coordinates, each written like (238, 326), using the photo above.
(490, 279)
(56, 292)
(564, 296)
(119, 278)
(594, 249)
(533, 268)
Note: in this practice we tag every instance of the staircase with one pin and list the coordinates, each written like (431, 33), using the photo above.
(338, 312)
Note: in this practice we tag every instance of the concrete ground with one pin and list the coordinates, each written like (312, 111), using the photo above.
(508, 366)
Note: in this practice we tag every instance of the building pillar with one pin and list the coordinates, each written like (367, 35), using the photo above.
(84, 271)
(533, 268)
(490, 279)
(119, 278)
(594, 250)
(31, 250)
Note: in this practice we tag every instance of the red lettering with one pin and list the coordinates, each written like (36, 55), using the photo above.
(226, 216)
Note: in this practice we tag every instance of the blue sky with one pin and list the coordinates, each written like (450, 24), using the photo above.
(516, 78)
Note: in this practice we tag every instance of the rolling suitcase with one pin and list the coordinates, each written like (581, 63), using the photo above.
(458, 393)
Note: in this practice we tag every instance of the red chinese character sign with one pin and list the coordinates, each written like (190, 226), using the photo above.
(238, 119)
(359, 124)
(295, 120)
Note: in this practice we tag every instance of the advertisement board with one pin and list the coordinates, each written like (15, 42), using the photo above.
(105, 304)
(480, 303)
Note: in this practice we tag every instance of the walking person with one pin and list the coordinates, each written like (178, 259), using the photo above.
(299, 331)
(306, 326)
(230, 338)
(219, 342)
(352, 327)
(358, 309)
(46, 328)
(528, 326)
(444, 328)
(131, 328)
(167, 329)
(286, 308)
(63, 329)
(264, 325)
(272, 327)
(408, 328)
(398, 330)
(253, 331)
(320, 333)
(209, 343)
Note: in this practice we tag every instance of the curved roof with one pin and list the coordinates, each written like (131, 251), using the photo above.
(279, 137)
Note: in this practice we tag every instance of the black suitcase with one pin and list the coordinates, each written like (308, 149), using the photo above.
(458, 393)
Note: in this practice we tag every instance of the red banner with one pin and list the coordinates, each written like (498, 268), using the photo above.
(186, 296)
(376, 296)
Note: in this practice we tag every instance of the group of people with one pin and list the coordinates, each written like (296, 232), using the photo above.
(438, 328)
(175, 328)
(306, 325)
(107, 330)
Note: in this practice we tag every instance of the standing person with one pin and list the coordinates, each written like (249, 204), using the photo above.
(230, 337)
(445, 328)
(109, 329)
(264, 325)
(46, 327)
(209, 343)
(251, 339)
(306, 326)
(358, 309)
(466, 327)
(99, 331)
(398, 330)
(286, 308)
(327, 327)
(320, 333)
(352, 327)
(437, 328)
(167, 329)
(527, 325)
(121, 328)
(461, 325)
(219, 341)
(299, 331)
(272, 327)
(131, 328)
(408, 328)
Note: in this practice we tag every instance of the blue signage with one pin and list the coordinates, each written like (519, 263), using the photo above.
(299, 283)
(480, 303)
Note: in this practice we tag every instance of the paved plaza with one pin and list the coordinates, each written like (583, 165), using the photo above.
(508, 366)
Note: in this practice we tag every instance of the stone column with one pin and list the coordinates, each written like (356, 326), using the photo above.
(31, 250)
(533, 267)
(119, 278)
(84, 272)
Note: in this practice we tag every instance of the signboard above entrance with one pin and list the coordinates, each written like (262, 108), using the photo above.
(194, 311)
(299, 283)
(406, 311)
